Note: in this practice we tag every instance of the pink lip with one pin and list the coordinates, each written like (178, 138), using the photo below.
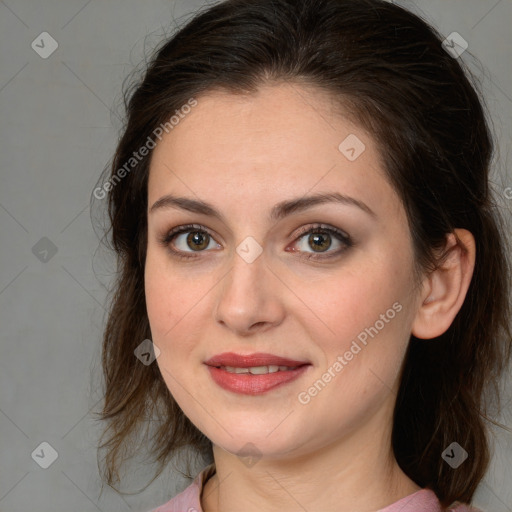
(253, 384)
(257, 359)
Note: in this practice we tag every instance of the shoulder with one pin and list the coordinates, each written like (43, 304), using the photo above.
(188, 500)
(425, 500)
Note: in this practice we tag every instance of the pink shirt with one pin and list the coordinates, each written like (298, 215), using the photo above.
(424, 500)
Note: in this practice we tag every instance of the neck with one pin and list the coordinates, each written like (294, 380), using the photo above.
(356, 473)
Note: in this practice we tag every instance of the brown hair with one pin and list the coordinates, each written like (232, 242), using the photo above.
(389, 67)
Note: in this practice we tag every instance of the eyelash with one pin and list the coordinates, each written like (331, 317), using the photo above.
(168, 237)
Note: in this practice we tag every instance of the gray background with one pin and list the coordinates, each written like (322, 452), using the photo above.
(60, 122)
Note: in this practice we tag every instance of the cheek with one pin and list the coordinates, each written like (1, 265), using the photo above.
(361, 360)
(346, 303)
(367, 313)
(176, 301)
(169, 301)
(171, 296)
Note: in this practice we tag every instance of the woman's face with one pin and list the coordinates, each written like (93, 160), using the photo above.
(248, 286)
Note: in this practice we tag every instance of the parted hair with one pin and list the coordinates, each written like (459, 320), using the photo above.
(388, 68)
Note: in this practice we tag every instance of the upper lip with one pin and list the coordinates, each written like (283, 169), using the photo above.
(250, 360)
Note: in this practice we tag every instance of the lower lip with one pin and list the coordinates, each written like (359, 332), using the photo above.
(249, 384)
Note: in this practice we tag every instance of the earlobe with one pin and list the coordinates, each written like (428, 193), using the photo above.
(446, 287)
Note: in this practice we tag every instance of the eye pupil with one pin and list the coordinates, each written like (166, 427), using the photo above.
(199, 239)
(317, 241)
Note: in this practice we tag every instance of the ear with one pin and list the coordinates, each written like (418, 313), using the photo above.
(444, 290)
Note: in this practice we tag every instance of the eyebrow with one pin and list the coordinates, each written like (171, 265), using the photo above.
(278, 212)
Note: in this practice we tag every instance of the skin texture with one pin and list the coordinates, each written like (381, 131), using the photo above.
(244, 154)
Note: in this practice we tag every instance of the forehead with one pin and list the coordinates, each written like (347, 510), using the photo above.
(285, 139)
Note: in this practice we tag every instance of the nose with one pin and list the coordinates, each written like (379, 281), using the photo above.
(248, 299)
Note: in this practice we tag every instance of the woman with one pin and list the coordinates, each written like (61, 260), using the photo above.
(313, 283)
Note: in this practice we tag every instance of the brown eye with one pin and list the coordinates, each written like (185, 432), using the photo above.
(319, 242)
(198, 240)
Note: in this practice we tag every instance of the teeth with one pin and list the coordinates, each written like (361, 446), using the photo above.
(258, 370)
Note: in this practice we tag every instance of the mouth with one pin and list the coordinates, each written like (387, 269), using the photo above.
(254, 374)
(257, 370)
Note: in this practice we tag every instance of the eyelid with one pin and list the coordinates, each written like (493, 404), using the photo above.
(168, 235)
(343, 237)
(320, 226)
